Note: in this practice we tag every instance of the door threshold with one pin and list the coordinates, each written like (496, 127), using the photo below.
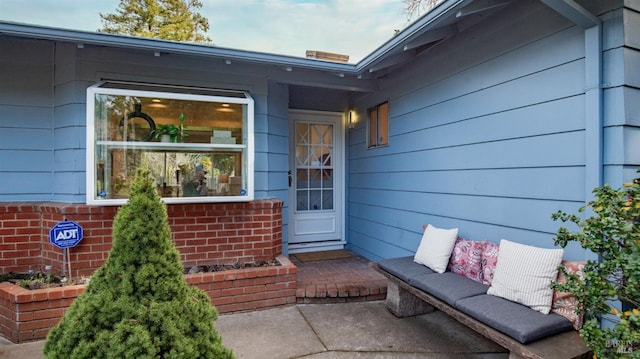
(316, 246)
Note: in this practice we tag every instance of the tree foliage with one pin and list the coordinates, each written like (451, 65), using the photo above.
(176, 20)
(416, 8)
(613, 233)
(138, 304)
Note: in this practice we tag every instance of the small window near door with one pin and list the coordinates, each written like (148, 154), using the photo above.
(379, 125)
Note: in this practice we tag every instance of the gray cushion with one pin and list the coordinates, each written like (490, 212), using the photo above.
(403, 267)
(448, 286)
(515, 320)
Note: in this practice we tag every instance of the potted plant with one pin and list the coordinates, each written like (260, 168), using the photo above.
(171, 132)
(224, 163)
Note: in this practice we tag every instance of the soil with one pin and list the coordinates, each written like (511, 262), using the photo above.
(224, 267)
(40, 280)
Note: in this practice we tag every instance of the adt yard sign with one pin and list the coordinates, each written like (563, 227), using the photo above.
(65, 234)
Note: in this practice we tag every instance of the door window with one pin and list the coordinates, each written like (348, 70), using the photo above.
(314, 169)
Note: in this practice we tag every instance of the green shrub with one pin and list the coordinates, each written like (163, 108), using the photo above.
(613, 233)
(138, 304)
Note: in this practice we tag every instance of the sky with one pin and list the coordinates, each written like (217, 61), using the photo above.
(286, 27)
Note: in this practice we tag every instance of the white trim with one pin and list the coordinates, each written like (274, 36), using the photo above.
(316, 246)
(248, 147)
(341, 181)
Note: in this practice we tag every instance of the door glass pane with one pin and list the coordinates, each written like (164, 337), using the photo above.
(327, 199)
(315, 201)
(315, 180)
(302, 175)
(302, 200)
(314, 168)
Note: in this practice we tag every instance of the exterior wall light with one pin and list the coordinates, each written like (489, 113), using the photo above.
(352, 118)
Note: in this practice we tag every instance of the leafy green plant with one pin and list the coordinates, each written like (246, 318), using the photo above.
(175, 132)
(613, 233)
(224, 163)
(138, 304)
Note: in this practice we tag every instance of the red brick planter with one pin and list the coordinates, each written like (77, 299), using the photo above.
(204, 234)
(27, 315)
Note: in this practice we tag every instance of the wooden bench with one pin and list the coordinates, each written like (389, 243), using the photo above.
(405, 300)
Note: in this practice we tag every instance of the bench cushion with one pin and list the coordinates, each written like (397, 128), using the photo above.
(403, 267)
(515, 320)
(448, 287)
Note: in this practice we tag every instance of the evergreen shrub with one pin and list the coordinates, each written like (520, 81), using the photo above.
(138, 305)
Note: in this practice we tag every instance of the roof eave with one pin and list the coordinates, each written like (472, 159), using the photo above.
(155, 45)
(391, 47)
(425, 23)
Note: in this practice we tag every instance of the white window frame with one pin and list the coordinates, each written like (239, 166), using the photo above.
(248, 145)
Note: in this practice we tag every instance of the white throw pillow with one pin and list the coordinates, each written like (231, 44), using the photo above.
(524, 275)
(435, 248)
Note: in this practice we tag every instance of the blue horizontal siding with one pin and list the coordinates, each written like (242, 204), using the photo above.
(35, 184)
(25, 117)
(18, 139)
(492, 147)
(563, 149)
(550, 53)
(29, 85)
(25, 161)
(561, 183)
(523, 213)
(622, 106)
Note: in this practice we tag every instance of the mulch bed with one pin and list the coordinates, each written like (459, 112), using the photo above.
(40, 280)
(237, 265)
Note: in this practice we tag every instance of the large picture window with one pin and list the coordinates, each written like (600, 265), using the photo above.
(198, 143)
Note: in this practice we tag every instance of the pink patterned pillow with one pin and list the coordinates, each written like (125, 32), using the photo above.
(466, 259)
(489, 260)
(563, 302)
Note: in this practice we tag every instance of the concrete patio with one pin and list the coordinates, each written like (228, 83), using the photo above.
(323, 331)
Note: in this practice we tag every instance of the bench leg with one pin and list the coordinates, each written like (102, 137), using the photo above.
(404, 304)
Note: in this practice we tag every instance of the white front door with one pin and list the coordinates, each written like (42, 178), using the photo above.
(316, 181)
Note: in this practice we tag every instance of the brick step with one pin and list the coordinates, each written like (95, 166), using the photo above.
(338, 281)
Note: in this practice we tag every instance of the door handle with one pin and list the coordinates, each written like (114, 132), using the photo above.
(290, 178)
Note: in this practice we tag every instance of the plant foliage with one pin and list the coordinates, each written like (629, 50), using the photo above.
(176, 20)
(138, 304)
(613, 233)
(175, 132)
(417, 8)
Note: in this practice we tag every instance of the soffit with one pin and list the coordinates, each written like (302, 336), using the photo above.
(425, 34)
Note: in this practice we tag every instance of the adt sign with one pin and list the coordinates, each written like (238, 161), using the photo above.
(65, 234)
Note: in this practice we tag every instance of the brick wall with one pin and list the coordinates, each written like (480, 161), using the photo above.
(212, 233)
(27, 315)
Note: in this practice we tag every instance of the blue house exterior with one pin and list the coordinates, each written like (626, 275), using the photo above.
(500, 114)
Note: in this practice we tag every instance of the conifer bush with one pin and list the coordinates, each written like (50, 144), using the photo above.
(138, 305)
